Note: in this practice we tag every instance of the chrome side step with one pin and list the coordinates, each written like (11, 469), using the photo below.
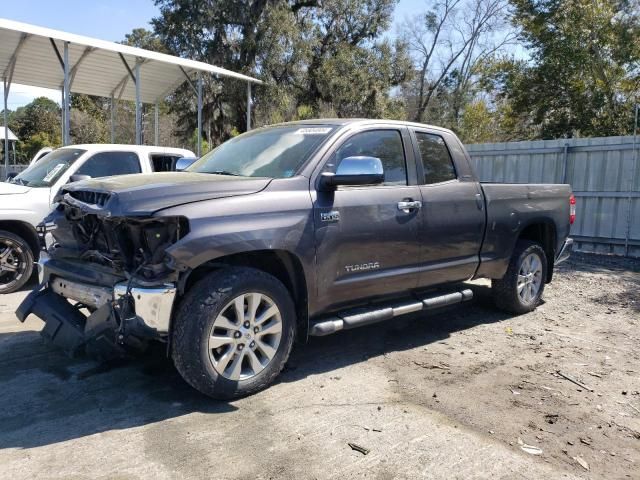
(366, 316)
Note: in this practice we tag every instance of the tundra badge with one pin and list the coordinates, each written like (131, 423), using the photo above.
(362, 266)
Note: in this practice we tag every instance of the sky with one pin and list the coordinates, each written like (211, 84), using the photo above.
(104, 19)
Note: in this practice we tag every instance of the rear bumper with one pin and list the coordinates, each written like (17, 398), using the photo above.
(119, 317)
(565, 251)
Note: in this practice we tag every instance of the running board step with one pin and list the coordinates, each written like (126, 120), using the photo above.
(366, 316)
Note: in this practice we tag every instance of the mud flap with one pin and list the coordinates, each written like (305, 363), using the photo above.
(64, 324)
(67, 328)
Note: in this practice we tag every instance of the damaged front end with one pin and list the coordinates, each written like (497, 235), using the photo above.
(107, 284)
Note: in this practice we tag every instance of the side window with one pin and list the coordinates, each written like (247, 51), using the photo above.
(105, 164)
(164, 162)
(436, 160)
(383, 144)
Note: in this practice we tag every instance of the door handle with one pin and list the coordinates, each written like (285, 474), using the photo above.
(408, 205)
(479, 202)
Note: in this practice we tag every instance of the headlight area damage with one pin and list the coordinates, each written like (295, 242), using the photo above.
(107, 284)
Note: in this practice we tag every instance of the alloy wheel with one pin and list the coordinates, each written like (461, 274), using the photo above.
(245, 336)
(13, 263)
(530, 278)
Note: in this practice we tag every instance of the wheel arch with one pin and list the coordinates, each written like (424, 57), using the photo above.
(544, 232)
(24, 230)
(282, 264)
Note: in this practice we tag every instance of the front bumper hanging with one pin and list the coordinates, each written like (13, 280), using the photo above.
(121, 318)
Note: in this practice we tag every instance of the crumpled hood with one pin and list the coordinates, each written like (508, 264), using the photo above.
(144, 194)
(12, 188)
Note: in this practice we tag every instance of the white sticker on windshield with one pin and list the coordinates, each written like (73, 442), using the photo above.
(54, 171)
(312, 131)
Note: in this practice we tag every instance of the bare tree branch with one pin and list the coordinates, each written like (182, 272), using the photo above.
(454, 36)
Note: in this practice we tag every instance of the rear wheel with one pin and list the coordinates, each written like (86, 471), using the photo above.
(233, 332)
(16, 262)
(521, 288)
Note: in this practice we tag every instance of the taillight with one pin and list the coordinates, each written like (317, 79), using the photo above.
(572, 209)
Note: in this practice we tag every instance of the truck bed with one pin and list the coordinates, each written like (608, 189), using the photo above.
(510, 207)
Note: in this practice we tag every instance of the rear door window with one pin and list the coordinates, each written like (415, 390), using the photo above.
(436, 160)
(106, 164)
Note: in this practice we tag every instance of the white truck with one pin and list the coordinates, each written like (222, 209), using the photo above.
(27, 198)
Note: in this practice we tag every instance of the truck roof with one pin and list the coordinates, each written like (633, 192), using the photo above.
(144, 149)
(359, 121)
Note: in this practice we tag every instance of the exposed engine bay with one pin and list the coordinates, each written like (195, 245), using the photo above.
(107, 284)
(82, 228)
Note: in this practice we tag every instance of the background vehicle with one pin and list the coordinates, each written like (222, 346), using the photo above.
(40, 154)
(296, 229)
(27, 197)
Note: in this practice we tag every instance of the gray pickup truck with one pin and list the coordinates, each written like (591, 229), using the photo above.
(287, 231)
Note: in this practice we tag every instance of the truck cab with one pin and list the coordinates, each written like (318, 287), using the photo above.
(28, 197)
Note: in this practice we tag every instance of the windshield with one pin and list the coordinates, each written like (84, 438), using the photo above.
(274, 152)
(46, 171)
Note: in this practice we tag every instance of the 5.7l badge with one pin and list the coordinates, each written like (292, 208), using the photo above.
(332, 216)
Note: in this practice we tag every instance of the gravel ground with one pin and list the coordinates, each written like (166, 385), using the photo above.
(468, 393)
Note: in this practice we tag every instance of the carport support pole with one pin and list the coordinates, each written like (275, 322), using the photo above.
(156, 126)
(6, 85)
(248, 106)
(62, 111)
(66, 99)
(138, 109)
(199, 146)
(113, 120)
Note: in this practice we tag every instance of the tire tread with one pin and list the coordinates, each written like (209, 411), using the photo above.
(504, 290)
(191, 321)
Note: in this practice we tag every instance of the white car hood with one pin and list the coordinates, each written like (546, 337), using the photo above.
(12, 188)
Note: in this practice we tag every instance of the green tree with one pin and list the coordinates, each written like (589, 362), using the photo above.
(349, 68)
(41, 115)
(36, 125)
(323, 57)
(89, 119)
(584, 72)
(143, 38)
(478, 123)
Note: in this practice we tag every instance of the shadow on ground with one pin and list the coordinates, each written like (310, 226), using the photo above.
(325, 354)
(50, 398)
(627, 271)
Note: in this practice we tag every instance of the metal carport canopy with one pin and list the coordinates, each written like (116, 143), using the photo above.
(96, 66)
(42, 57)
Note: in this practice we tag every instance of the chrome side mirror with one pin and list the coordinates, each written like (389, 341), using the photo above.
(184, 162)
(354, 171)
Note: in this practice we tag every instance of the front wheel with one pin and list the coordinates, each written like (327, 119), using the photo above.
(521, 288)
(233, 332)
(16, 262)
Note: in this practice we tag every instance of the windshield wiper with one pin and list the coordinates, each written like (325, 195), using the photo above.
(19, 181)
(224, 172)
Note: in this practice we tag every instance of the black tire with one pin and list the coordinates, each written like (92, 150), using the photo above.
(193, 324)
(19, 256)
(505, 290)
